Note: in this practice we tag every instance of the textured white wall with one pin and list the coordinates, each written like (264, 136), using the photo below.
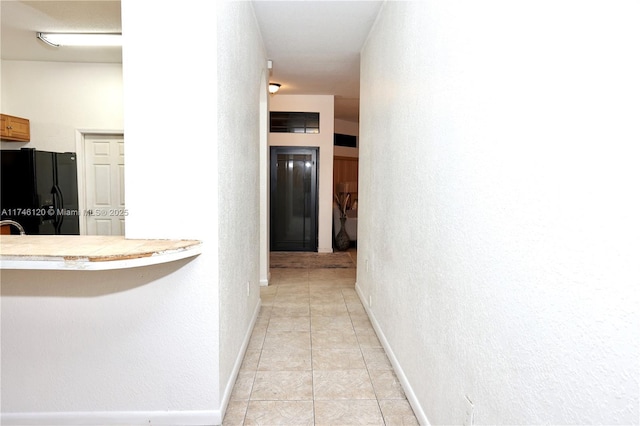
(58, 98)
(324, 140)
(239, 138)
(498, 233)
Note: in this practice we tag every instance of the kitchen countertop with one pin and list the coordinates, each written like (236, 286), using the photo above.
(84, 252)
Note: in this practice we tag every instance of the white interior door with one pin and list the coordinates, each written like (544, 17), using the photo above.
(104, 183)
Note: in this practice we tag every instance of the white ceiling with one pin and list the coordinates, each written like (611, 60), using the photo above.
(314, 45)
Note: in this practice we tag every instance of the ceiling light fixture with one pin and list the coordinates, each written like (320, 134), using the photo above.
(274, 87)
(81, 39)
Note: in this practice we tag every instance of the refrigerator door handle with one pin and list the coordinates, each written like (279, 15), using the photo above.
(54, 205)
(58, 205)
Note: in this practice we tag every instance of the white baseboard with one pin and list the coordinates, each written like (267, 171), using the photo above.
(264, 282)
(404, 381)
(236, 367)
(102, 418)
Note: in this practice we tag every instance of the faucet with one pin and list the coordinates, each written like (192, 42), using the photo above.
(14, 223)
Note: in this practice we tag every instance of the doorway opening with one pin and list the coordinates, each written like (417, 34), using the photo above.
(294, 199)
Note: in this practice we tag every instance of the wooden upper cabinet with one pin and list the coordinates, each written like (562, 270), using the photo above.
(15, 129)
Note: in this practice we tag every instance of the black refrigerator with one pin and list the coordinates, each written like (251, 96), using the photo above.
(40, 191)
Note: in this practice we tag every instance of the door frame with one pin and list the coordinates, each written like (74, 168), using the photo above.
(315, 190)
(81, 135)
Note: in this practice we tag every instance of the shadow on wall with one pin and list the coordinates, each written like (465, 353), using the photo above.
(39, 283)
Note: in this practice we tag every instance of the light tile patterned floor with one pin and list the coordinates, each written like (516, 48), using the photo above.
(314, 358)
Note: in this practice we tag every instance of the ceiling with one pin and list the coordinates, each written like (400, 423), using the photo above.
(314, 45)
(22, 19)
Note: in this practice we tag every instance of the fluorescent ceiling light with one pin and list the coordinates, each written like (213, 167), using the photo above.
(81, 39)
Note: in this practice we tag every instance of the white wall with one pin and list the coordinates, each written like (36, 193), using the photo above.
(499, 235)
(324, 141)
(110, 347)
(214, 176)
(59, 98)
(157, 344)
(239, 160)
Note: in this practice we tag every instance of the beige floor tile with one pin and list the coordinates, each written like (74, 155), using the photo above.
(352, 300)
(350, 293)
(287, 340)
(324, 287)
(332, 277)
(326, 297)
(368, 339)
(289, 298)
(290, 309)
(342, 384)
(386, 384)
(267, 301)
(243, 386)
(291, 280)
(262, 322)
(328, 309)
(271, 297)
(376, 359)
(343, 413)
(283, 360)
(335, 339)
(398, 412)
(327, 300)
(291, 283)
(283, 275)
(333, 284)
(360, 314)
(355, 308)
(272, 413)
(336, 323)
(282, 385)
(289, 324)
(250, 361)
(328, 274)
(361, 323)
(300, 287)
(257, 340)
(260, 327)
(291, 290)
(268, 289)
(265, 314)
(337, 359)
(234, 415)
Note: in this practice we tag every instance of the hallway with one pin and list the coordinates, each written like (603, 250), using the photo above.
(314, 357)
